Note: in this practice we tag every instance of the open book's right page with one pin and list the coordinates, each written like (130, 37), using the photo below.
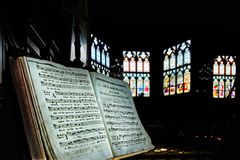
(125, 130)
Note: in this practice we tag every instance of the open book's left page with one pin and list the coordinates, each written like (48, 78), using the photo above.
(70, 118)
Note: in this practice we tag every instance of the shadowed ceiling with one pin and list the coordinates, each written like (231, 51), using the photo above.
(131, 24)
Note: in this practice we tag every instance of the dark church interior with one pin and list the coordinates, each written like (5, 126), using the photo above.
(194, 122)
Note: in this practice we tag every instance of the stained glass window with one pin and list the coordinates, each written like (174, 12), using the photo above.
(177, 69)
(100, 60)
(224, 74)
(136, 68)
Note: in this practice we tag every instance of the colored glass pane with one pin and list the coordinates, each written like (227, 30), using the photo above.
(166, 63)
(126, 79)
(132, 65)
(221, 68)
(146, 87)
(221, 88)
(133, 86)
(187, 80)
(234, 68)
(172, 84)
(98, 54)
(228, 87)
(180, 83)
(139, 85)
(125, 65)
(93, 52)
(179, 59)
(187, 56)
(166, 85)
(103, 58)
(172, 61)
(146, 65)
(215, 88)
(228, 69)
(215, 68)
(139, 65)
(107, 60)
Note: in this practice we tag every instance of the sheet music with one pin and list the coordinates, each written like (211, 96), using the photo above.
(126, 133)
(69, 109)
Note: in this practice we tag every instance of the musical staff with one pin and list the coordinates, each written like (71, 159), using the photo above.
(117, 106)
(85, 131)
(85, 100)
(61, 78)
(125, 129)
(120, 117)
(77, 116)
(123, 123)
(61, 71)
(85, 94)
(67, 86)
(115, 111)
(68, 125)
(133, 141)
(90, 106)
(127, 136)
(82, 140)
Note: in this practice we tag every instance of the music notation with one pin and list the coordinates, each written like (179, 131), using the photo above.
(62, 93)
(61, 71)
(85, 131)
(61, 78)
(133, 141)
(89, 107)
(68, 86)
(68, 125)
(126, 136)
(85, 100)
(77, 116)
(123, 123)
(123, 129)
(117, 106)
(120, 117)
(115, 111)
(82, 140)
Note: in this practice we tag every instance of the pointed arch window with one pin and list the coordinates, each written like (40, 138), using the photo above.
(224, 74)
(177, 69)
(136, 72)
(100, 60)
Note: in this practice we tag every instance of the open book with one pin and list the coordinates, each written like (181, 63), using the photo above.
(71, 113)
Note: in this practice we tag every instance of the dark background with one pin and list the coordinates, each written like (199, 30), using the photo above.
(153, 26)
(156, 25)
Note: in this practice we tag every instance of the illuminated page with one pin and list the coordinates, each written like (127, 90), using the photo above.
(69, 111)
(125, 131)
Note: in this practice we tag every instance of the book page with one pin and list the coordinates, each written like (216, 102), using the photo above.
(125, 130)
(69, 111)
(24, 95)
